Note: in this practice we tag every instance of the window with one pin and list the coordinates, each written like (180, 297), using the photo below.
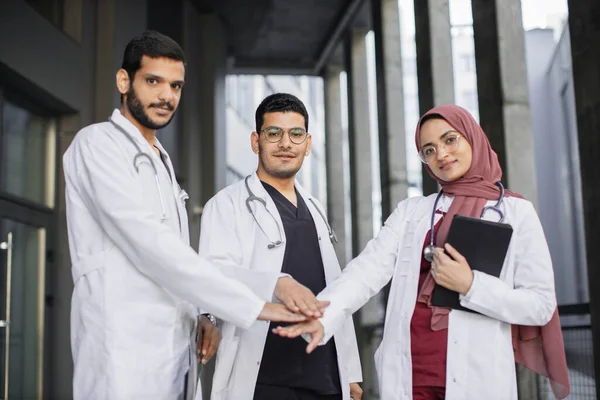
(66, 15)
(28, 148)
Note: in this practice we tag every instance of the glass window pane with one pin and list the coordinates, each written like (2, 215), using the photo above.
(21, 341)
(28, 155)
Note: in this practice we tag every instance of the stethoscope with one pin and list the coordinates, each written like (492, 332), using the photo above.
(429, 250)
(141, 158)
(276, 243)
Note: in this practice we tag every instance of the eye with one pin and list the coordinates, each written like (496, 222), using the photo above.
(428, 151)
(451, 139)
(297, 133)
(273, 132)
(152, 81)
(176, 86)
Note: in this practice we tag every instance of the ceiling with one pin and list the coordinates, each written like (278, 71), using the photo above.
(297, 37)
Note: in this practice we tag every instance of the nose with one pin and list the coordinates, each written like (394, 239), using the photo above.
(166, 93)
(441, 152)
(285, 141)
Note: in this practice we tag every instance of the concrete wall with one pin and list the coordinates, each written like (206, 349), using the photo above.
(73, 79)
(557, 160)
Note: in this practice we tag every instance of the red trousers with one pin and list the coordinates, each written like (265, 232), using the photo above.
(429, 393)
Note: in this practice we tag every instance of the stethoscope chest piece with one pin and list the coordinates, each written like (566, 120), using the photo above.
(428, 252)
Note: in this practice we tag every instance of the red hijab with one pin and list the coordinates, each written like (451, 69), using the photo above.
(540, 349)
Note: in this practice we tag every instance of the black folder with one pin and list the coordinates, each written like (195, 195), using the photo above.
(483, 243)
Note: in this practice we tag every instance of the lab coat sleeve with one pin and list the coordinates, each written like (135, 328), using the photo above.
(364, 276)
(221, 244)
(351, 349)
(532, 300)
(114, 197)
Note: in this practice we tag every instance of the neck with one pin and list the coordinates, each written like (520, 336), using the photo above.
(147, 133)
(283, 185)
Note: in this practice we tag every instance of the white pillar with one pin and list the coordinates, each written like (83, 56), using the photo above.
(336, 165)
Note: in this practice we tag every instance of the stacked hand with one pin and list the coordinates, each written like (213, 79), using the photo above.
(299, 304)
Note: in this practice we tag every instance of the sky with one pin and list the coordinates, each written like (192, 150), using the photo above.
(536, 13)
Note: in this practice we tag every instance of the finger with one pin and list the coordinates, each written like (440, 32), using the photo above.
(292, 331)
(316, 338)
(284, 315)
(291, 305)
(305, 308)
(454, 253)
(212, 347)
(441, 256)
(295, 331)
(283, 332)
(323, 305)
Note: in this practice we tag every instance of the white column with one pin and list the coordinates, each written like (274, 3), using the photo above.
(336, 165)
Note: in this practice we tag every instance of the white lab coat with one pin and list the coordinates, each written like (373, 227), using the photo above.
(231, 239)
(480, 359)
(138, 283)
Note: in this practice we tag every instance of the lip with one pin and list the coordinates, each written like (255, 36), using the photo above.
(447, 166)
(285, 156)
(162, 111)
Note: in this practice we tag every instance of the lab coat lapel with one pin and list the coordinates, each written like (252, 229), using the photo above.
(330, 261)
(167, 183)
(179, 195)
(270, 221)
(266, 221)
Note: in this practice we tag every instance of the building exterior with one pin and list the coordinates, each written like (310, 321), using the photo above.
(58, 60)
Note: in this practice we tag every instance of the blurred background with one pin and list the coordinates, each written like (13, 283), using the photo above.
(528, 70)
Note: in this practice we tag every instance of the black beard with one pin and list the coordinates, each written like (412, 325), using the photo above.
(136, 108)
(286, 174)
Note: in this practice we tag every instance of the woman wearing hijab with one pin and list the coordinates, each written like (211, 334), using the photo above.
(431, 352)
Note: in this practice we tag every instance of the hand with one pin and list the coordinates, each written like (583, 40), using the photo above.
(208, 339)
(279, 312)
(313, 327)
(298, 298)
(356, 391)
(452, 272)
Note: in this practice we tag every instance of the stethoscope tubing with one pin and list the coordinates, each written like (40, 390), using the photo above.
(252, 197)
(142, 155)
(495, 208)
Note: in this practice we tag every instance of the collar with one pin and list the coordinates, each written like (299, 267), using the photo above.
(133, 131)
(259, 190)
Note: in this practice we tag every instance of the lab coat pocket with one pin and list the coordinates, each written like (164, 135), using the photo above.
(86, 265)
(223, 376)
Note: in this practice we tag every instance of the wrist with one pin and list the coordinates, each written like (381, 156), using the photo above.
(210, 318)
(468, 283)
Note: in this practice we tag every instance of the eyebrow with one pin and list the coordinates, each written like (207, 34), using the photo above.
(160, 78)
(278, 127)
(441, 137)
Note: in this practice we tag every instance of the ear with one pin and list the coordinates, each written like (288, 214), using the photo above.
(254, 142)
(308, 144)
(123, 82)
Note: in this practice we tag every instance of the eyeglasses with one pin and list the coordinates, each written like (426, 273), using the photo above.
(428, 153)
(274, 134)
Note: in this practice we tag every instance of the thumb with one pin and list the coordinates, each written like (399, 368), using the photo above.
(316, 338)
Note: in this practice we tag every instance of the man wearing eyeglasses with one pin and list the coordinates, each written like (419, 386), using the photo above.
(265, 223)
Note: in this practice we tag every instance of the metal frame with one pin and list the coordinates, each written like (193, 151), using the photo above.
(38, 216)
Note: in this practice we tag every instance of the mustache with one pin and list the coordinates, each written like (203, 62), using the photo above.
(284, 153)
(163, 104)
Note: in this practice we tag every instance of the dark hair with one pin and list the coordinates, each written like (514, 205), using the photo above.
(152, 44)
(429, 117)
(280, 102)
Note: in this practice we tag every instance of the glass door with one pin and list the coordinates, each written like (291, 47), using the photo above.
(22, 294)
